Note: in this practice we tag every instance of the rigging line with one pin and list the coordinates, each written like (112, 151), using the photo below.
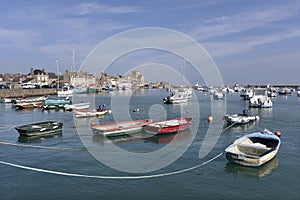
(109, 177)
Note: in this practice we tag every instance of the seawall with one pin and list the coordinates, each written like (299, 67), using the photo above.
(15, 93)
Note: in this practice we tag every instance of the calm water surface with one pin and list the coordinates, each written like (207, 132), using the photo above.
(278, 179)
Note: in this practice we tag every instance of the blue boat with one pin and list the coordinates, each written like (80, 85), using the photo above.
(52, 103)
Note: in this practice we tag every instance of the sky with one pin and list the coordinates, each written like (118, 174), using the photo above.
(250, 41)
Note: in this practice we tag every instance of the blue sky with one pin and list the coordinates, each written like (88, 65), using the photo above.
(253, 41)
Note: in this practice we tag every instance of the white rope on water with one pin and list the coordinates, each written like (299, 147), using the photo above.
(108, 177)
(1, 131)
(42, 147)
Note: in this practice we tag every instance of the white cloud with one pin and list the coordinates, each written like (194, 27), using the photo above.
(242, 21)
(92, 8)
(239, 45)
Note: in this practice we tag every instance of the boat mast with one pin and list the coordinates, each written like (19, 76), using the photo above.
(57, 85)
(73, 61)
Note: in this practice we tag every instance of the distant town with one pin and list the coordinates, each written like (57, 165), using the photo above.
(39, 78)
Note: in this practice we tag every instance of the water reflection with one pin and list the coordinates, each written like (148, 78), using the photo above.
(261, 171)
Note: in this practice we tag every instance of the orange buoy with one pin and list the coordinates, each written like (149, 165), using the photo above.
(210, 119)
(278, 133)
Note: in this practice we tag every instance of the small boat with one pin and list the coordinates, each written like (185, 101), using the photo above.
(120, 128)
(285, 91)
(78, 106)
(40, 129)
(261, 101)
(66, 91)
(247, 94)
(52, 103)
(5, 100)
(243, 118)
(254, 149)
(218, 95)
(298, 93)
(180, 95)
(168, 126)
(87, 113)
(28, 100)
(28, 105)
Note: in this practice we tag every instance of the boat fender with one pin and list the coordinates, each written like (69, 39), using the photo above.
(277, 133)
(43, 129)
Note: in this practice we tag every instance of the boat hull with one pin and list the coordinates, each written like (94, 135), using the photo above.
(82, 114)
(168, 126)
(119, 129)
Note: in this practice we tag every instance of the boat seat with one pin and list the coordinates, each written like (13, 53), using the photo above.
(255, 149)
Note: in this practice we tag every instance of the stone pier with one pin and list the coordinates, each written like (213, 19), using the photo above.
(15, 93)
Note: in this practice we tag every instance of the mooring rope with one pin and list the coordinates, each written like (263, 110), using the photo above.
(108, 177)
(43, 147)
(1, 131)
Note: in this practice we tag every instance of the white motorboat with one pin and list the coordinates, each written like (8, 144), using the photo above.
(218, 95)
(254, 149)
(247, 94)
(261, 101)
(180, 95)
(243, 118)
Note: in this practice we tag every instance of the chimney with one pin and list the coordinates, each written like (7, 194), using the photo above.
(31, 71)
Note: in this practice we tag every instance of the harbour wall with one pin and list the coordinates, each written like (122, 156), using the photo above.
(15, 93)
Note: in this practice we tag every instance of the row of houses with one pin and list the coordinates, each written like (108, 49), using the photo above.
(77, 79)
(43, 79)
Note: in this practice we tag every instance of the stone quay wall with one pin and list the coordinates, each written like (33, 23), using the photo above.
(15, 93)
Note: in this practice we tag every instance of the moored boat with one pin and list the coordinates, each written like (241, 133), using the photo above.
(254, 149)
(87, 113)
(120, 128)
(261, 101)
(168, 126)
(180, 95)
(243, 118)
(218, 95)
(56, 103)
(247, 94)
(28, 105)
(40, 129)
(78, 106)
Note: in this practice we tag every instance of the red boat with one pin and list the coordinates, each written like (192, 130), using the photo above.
(168, 126)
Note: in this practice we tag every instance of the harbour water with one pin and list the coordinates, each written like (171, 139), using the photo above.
(66, 154)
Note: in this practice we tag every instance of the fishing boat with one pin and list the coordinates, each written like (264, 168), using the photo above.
(254, 149)
(243, 118)
(87, 113)
(168, 126)
(40, 129)
(120, 128)
(28, 105)
(261, 101)
(180, 95)
(78, 106)
(66, 91)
